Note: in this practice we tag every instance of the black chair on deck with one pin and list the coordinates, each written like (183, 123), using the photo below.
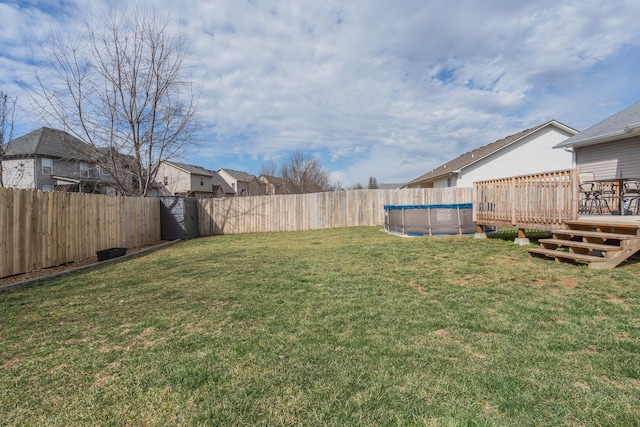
(594, 195)
(631, 197)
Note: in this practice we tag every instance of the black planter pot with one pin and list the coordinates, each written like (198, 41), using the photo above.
(110, 253)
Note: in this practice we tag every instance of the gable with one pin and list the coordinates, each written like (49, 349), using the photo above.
(492, 150)
(236, 175)
(532, 154)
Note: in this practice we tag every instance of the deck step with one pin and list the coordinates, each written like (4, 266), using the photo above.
(601, 223)
(599, 234)
(611, 226)
(588, 236)
(552, 253)
(579, 244)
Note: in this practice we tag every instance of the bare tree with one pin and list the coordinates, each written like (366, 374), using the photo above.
(304, 174)
(7, 120)
(269, 168)
(123, 89)
(373, 183)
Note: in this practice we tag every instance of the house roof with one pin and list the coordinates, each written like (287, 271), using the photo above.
(192, 169)
(239, 176)
(219, 182)
(280, 185)
(277, 181)
(471, 157)
(47, 142)
(623, 124)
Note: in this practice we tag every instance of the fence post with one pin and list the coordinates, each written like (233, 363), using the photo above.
(513, 201)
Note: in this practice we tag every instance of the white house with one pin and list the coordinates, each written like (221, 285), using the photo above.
(241, 182)
(527, 152)
(181, 179)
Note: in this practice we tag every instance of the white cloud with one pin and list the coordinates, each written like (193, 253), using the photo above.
(385, 89)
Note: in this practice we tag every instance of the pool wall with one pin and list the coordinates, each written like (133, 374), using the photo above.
(431, 220)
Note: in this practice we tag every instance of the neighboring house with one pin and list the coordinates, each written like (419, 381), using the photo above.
(527, 152)
(610, 148)
(181, 179)
(242, 183)
(220, 187)
(274, 185)
(50, 159)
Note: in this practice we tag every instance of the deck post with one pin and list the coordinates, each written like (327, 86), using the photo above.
(522, 238)
(480, 233)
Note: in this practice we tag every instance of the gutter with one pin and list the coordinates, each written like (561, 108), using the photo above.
(628, 130)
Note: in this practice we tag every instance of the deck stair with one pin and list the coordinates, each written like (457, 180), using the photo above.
(600, 244)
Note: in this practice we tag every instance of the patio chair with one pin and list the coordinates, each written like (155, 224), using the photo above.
(631, 197)
(594, 194)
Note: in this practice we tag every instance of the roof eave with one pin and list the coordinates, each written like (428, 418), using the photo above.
(628, 132)
(435, 177)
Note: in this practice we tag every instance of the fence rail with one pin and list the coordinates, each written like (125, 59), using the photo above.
(539, 201)
(298, 212)
(45, 229)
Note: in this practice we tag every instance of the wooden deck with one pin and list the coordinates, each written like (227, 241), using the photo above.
(599, 242)
(541, 201)
(552, 201)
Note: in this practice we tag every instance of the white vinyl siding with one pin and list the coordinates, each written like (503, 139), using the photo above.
(532, 154)
(450, 181)
(611, 159)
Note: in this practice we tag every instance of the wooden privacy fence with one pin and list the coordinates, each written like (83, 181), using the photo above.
(298, 212)
(44, 229)
(539, 201)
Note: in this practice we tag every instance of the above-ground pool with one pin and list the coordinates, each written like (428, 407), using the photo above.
(431, 220)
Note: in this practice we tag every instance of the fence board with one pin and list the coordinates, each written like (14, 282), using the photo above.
(298, 212)
(44, 229)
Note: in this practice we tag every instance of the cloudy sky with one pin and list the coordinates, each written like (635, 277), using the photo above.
(384, 88)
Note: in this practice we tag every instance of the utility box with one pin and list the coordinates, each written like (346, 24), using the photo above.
(179, 218)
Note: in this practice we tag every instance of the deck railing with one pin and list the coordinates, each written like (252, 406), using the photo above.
(540, 201)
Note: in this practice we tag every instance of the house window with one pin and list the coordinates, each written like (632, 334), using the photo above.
(448, 182)
(165, 180)
(47, 166)
(201, 180)
(47, 188)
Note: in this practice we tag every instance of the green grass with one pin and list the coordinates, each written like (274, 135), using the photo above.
(333, 327)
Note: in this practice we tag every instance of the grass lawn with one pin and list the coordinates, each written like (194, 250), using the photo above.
(331, 327)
